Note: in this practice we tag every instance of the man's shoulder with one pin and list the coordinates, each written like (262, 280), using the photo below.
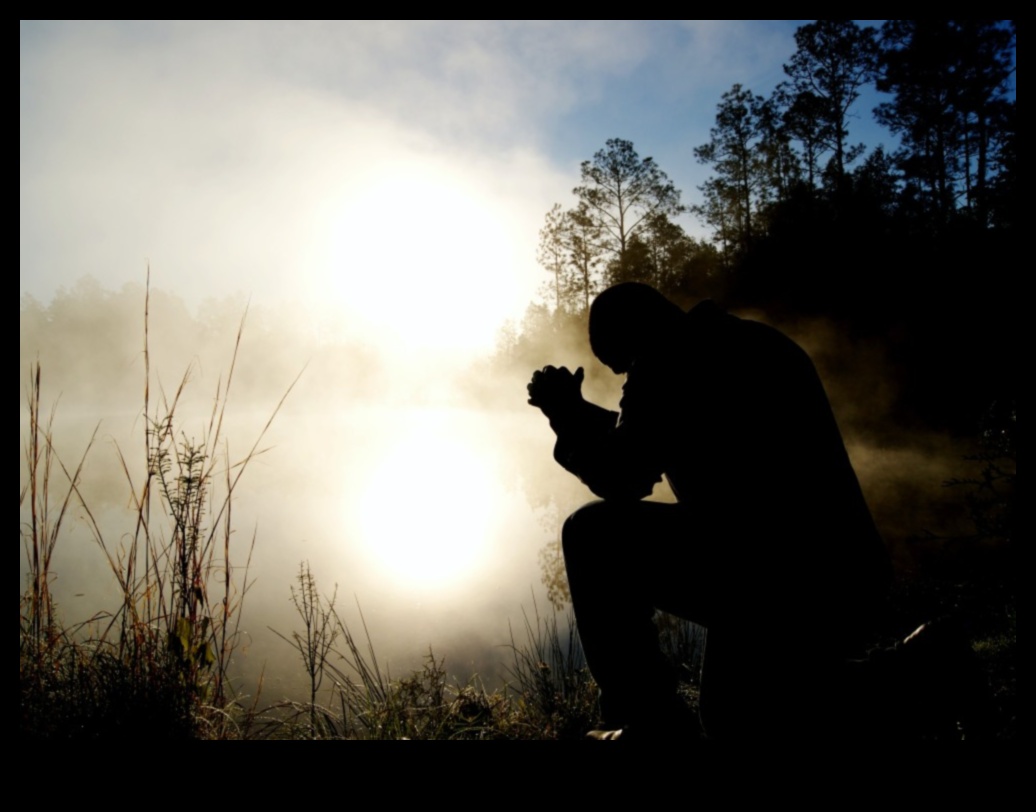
(709, 314)
(705, 310)
(725, 337)
(707, 324)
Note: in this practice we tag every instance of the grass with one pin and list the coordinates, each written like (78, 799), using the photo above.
(158, 663)
(549, 695)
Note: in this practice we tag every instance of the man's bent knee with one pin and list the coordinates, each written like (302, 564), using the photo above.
(594, 525)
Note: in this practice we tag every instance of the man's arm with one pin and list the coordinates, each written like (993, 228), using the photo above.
(592, 444)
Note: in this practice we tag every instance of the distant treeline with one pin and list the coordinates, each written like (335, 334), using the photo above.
(914, 247)
(90, 342)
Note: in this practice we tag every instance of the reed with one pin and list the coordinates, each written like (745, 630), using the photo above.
(158, 663)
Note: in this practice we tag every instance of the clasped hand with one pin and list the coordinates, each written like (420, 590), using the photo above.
(553, 389)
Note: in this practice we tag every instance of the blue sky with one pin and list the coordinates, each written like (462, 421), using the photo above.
(338, 163)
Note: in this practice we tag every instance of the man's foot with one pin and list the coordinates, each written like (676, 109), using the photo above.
(645, 733)
(677, 723)
(605, 735)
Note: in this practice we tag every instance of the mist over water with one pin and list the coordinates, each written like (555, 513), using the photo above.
(371, 472)
(422, 491)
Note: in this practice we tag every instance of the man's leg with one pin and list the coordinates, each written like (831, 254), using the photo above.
(624, 560)
(761, 670)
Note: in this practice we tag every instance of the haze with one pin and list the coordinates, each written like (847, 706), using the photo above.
(371, 193)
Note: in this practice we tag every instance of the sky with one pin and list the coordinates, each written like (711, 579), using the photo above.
(386, 174)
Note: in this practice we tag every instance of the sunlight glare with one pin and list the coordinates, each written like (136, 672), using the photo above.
(425, 516)
(423, 257)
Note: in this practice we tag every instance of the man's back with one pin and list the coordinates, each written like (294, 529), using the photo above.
(734, 411)
(744, 432)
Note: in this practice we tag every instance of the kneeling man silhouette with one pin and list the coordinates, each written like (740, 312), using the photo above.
(770, 544)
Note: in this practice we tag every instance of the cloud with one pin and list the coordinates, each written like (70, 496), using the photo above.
(221, 151)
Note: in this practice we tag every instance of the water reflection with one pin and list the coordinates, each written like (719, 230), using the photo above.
(429, 512)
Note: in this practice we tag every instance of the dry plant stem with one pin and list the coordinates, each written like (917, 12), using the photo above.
(317, 639)
(44, 530)
(168, 645)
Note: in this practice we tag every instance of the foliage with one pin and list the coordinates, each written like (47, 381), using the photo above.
(833, 61)
(802, 121)
(621, 229)
(552, 574)
(158, 664)
(556, 694)
(551, 253)
(950, 107)
(570, 249)
(733, 197)
(550, 694)
(623, 191)
(316, 641)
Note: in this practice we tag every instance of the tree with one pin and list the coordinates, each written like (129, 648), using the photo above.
(835, 58)
(583, 241)
(914, 55)
(718, 211)
(570, 250)
(670, 251)
(733, 197)
(803, 121)
(780, 164)
(621, 192)
(659, 256)
(620, 228)
(988, 64)
(875, 181)
(949, 80)
(552, 254)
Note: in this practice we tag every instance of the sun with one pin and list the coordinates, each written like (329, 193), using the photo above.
(423, 257)
(426, 513)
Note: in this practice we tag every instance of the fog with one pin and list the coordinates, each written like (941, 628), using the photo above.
(369, 194)
(425, 494)
(362, 440)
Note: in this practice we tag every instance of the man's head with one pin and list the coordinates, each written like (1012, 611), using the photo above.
(627, 320)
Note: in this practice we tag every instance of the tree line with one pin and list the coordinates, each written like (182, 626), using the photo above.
(916, 242)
